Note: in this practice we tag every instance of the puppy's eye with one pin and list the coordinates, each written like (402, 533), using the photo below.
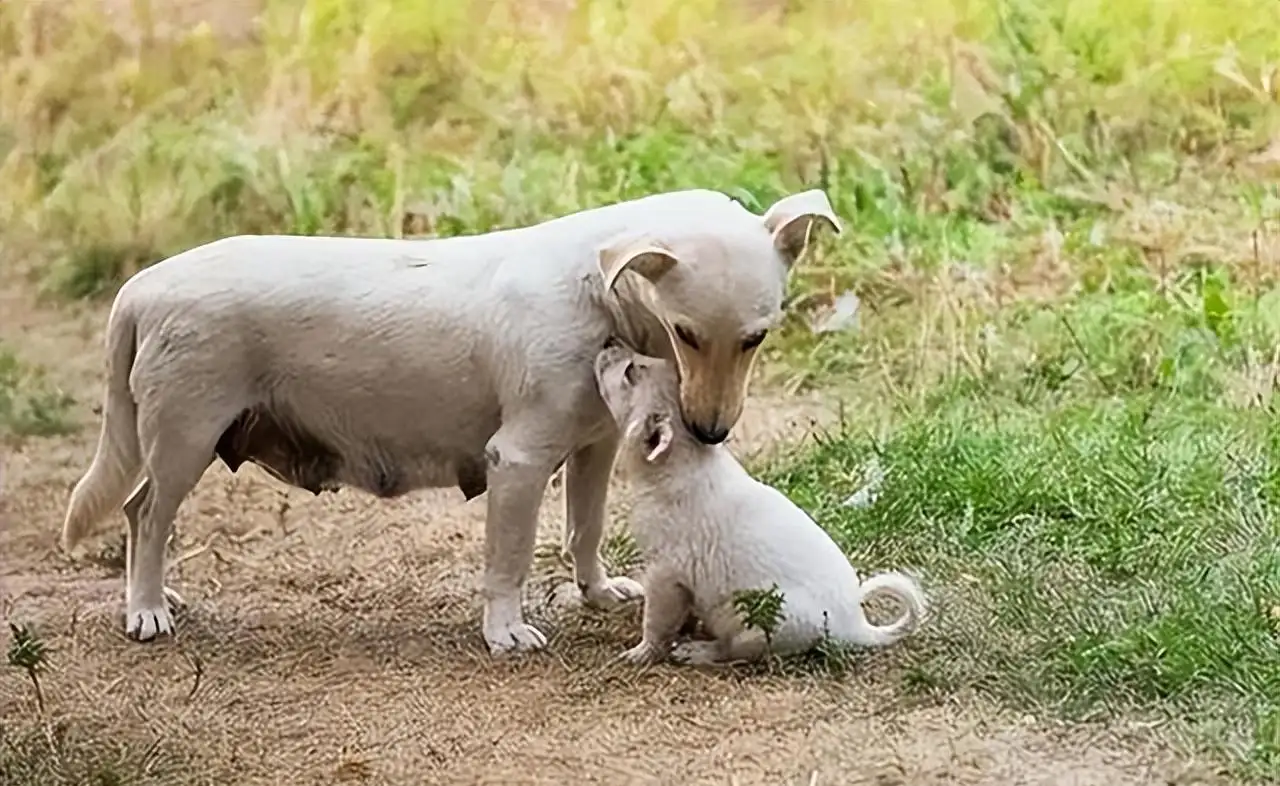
(754, 340)
(684, 334)
(629, 373)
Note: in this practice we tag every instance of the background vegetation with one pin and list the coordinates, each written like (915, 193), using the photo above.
(1053, 314)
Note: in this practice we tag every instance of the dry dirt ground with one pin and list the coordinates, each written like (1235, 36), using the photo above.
(336, 639)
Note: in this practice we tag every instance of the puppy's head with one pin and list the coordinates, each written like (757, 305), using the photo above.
(715, 282)
(642, 394)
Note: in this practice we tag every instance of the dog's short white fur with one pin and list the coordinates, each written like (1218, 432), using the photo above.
(709, 530)
(393, 365)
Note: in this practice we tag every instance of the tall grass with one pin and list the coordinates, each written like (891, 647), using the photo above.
(927, 121)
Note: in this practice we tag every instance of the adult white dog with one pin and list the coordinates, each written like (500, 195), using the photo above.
(393, 365)
(709, 530)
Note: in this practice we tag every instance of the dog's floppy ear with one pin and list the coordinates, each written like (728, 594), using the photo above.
(657, 432)
(642, 254)
(791, 221)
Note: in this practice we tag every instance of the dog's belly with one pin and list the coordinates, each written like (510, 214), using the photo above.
(383, 474)
(386, 465)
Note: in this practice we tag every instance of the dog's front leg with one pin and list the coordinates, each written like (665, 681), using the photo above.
(518, 471)
(586, 489)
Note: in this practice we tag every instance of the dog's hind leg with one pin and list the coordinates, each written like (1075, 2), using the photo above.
(177, 449)
(151, 513)
(133, 508)
(133, 513)
(586, 489)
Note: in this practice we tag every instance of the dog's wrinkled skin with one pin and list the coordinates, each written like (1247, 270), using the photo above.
(709, 530)
(393, 365)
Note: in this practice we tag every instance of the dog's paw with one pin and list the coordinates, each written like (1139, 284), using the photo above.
(612, 593)
(697, 653)
(174, 600)
(643, 654)
(146, 623)
(514, 637)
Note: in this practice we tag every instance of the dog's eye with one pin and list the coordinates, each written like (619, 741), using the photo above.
(684, 334)
(629, 373)
(754, 340)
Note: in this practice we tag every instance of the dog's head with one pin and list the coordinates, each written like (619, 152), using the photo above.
(716, 286)
(643, 396)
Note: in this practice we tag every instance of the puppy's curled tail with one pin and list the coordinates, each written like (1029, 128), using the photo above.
(907, 591)
(118, 460)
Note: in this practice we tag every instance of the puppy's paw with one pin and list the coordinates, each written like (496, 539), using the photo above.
(697, 653)
(144, 623)
(643, 654)
(513, 637)
(612, 593)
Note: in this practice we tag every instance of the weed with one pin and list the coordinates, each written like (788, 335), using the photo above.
(27, 652)
(761, 609)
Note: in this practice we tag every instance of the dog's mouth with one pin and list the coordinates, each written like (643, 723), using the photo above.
(713, 435)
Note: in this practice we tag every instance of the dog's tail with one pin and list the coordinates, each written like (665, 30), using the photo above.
(118, 459)
(907, 591)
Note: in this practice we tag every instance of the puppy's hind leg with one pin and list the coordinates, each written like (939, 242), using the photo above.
(586, 489)
(745, 646)
(732, 641)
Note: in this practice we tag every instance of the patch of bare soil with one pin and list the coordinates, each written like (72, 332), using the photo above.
(336, 639)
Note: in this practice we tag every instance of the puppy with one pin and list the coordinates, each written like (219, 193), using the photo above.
(710, 530)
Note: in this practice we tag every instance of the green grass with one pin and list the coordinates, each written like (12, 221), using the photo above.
(1096, 511)
(1063, 231)
(961, 136)
(29, 405)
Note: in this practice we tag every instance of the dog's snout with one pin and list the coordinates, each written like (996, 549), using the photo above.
(713, 435)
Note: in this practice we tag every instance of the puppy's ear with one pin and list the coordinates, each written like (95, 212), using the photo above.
(791, 221)
(658, 439)
(630, 252)
(656, 431)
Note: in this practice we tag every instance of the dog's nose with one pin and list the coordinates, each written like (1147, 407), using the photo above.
(709, 436)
